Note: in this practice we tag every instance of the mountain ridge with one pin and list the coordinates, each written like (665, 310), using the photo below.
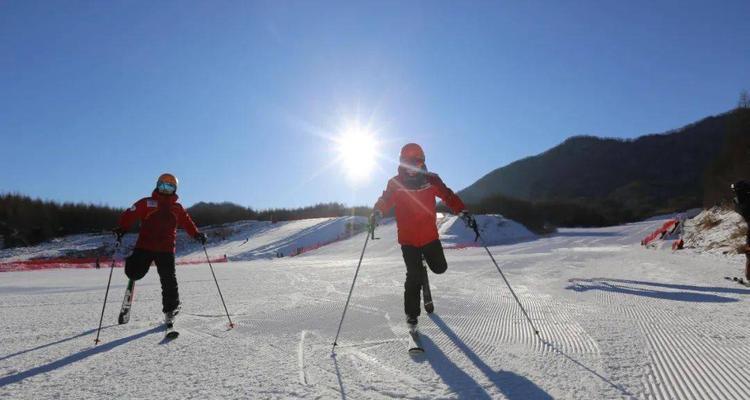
(649, 172)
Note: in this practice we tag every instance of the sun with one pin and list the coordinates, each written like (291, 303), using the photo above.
(357, 150)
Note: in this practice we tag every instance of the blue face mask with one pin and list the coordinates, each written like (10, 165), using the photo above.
(166, 188)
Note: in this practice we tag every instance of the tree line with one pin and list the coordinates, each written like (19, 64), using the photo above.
(25, 221)
(733, 164)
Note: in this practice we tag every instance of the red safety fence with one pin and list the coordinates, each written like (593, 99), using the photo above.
(80, 263)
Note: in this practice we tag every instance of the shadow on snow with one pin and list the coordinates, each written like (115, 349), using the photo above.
(88, 332)
(81, 355)
(688, 293)
(338, 376)
(512, 385)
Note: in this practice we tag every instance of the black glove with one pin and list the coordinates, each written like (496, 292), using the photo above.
(201, 237)
(375, 218)
(119, 233)
(471, 223)
(468, 219)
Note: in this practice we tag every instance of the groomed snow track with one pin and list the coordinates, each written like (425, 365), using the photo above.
(616, 321)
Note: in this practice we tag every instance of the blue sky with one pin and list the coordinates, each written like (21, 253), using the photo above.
(237, 98)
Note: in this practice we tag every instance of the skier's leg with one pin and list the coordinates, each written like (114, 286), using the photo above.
(435, 257)
(413, 285)
(170, 298)
(137, 264)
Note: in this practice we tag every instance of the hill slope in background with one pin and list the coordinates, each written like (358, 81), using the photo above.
(643, 176)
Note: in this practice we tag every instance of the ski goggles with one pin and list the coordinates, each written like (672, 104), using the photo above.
(412, 162)
(166, 187)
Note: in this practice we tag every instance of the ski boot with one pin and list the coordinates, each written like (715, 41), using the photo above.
(415, 340)
(169, 332)
(169, 316)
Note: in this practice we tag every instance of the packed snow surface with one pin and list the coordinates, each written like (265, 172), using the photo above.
(615, 321)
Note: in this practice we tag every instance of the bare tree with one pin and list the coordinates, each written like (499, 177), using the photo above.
(744, 101)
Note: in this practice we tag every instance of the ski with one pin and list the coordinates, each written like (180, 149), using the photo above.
(426, 293)
(127, 303)
(738, 280)
(415, 342)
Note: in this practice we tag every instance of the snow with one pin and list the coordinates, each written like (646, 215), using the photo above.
(717, 231)
(616, 321)
(495, 230)
(246, 240)
(256, 239)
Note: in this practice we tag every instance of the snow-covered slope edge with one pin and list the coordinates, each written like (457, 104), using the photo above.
(716, 230)
(495, 230)
(251, 240)
(245, 240)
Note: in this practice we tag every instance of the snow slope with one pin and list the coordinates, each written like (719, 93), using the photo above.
(246, 240)
(616, 321)
(266, 240)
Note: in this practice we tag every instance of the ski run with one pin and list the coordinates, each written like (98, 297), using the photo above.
(615, 320)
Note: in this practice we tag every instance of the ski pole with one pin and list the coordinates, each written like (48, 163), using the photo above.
(367, 238)
(231, 324)
(109, 281)
(473, 226)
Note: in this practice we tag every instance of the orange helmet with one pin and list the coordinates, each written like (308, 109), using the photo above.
(166, 184)
(412, 153)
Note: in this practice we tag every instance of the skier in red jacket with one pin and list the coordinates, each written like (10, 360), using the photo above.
(412, 193)
(160, 215)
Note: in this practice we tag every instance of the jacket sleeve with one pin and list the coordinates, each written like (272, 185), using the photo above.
(187, 223)
(447, 195)
(132, 214)
(386, 201)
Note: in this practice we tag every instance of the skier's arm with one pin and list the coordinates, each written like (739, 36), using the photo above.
(386, 201)
(131, 215)
(187, 223)
(447, 195)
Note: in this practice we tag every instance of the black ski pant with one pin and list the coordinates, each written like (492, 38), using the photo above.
(433, 254)
(744, 210)
(137, 265)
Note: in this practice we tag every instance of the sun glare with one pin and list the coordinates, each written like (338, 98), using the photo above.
(357, 149)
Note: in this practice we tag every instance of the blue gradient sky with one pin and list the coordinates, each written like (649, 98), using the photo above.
(97, 98)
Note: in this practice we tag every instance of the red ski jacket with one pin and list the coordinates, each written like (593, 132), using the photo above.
(160, 215)
(415, 206)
